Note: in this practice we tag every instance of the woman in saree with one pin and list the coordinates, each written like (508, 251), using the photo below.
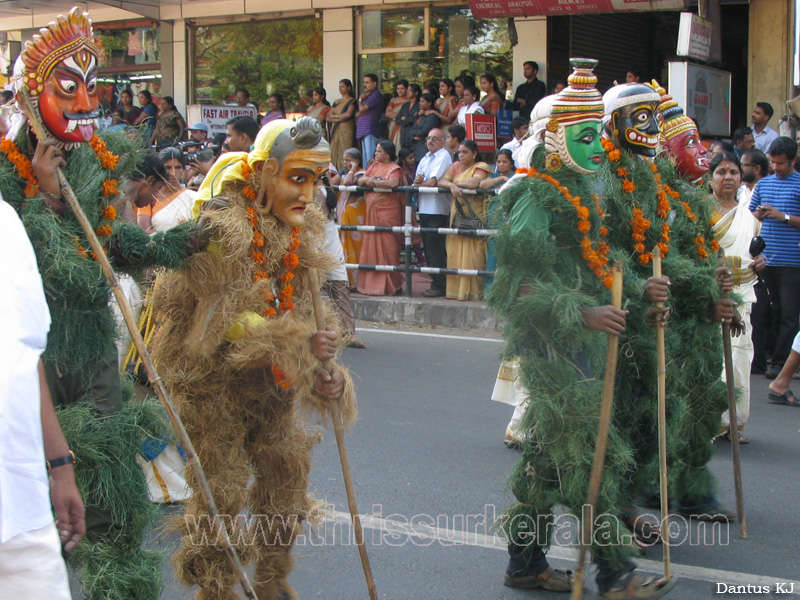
(351, 209)
(493, 100)
(446, 107)
(504, 170)
(382, 209)
(319, 106)
(277, 109)
(735, 228)
(342, 124)
(466, 252)
(393, 109)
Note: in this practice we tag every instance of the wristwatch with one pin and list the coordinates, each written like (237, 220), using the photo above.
(785, 218)
(69, 459)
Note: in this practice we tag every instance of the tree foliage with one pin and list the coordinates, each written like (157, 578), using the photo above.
(265, 57)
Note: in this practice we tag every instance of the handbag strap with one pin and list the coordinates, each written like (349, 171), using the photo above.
(469, 208)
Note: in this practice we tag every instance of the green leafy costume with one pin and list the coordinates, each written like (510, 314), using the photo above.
(563, 228)
(695, 395)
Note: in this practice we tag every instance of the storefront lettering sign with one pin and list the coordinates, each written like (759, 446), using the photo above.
(504, 123)
(482, 130)
(216, 116)
(488, 9)
(705, 94)
(694, 37)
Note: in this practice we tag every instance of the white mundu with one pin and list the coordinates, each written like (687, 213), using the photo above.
(30, 551)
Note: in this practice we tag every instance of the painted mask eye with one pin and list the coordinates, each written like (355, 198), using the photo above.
(91, 86)
(68, 85)
(641, 117)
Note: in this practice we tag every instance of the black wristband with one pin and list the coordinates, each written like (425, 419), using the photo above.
(68, 459)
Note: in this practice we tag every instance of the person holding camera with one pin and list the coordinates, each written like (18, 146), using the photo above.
(172, 204)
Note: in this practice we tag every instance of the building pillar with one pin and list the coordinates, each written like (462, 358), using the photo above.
(770, 55)
(174, 79)
(532, 45)
(338, 50)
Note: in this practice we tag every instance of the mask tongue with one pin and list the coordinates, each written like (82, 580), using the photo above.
(86, 131)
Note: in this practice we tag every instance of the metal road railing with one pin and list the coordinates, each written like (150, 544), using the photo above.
(407, 229)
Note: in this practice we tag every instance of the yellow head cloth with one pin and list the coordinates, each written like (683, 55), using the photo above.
(229, 165)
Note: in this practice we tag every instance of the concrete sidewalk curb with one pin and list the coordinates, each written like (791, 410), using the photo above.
(427, 311)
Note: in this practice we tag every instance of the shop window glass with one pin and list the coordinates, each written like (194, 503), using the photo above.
(132, 46)
(382, 29)
(458, 44)
(265, 57)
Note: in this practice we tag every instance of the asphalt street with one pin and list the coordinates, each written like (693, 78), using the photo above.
(430, 468)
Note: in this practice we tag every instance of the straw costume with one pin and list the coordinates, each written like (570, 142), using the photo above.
(233, 346)
(102, 428)
(553, 259)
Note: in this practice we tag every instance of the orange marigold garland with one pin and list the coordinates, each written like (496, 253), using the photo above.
(286, 294)
(596, 258)
(613, 153)
(110, 187)
(22, 164)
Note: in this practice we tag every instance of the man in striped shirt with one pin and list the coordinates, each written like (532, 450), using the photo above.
(776, 202)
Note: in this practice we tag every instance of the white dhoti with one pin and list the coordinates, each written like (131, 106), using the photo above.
(734, 232)
(31, 566)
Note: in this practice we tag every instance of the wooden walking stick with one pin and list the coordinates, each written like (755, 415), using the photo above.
(662, 422)
(338, 429)
(606, 407)
(732, 417)
(155, 379)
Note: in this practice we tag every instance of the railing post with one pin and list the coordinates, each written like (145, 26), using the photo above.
(408, 246)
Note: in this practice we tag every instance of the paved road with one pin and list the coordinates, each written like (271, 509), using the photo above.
(429, 464)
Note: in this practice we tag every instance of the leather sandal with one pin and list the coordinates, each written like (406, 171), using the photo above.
(650, 589)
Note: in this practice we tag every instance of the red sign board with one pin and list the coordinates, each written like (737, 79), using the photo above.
(488, 9)
(482, 129)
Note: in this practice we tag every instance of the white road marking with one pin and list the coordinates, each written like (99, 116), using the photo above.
(433, 335)
(453, 537)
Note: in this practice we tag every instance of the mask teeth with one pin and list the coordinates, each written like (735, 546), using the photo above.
(71, 126)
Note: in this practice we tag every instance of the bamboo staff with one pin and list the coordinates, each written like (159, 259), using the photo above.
(733, 419)
(338, 429)
(155, 379)
(662, 422)
(606, 407)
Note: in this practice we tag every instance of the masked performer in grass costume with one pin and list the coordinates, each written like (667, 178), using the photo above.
(553, 287)
(694, 350)
(648, 202)
(58, 71)
(240, 353)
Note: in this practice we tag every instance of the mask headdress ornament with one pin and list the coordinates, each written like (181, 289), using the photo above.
(680, 138)
(569, 123)
(630, 118)
(59, 75)
(572, 135)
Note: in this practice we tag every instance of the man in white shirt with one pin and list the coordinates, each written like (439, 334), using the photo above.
(434, 208)
(763, 134)
(519, 125)
(31, 565)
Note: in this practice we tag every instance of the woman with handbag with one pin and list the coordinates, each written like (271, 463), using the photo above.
(385, 209)
(466, 252)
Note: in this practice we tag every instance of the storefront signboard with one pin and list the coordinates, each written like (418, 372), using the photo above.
(504, 123)
(694, 37)
(216, 116)
(483, 130)
(705, 95)
(490, 9)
